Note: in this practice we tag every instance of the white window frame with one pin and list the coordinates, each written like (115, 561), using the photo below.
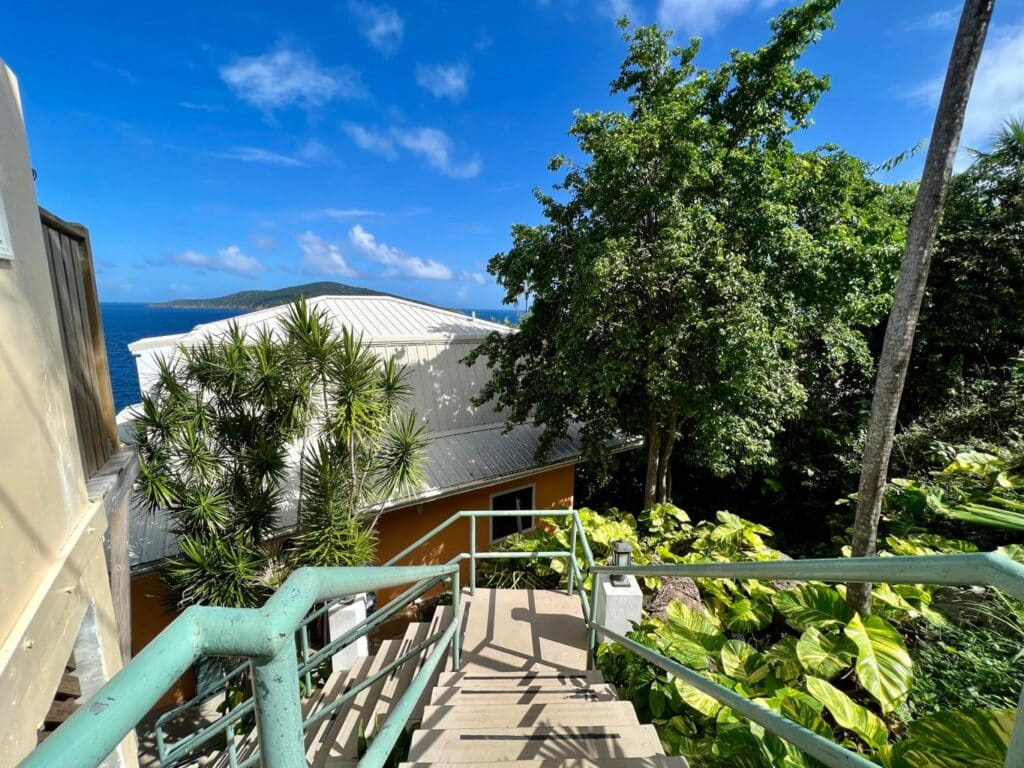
(533, 521)
(6, 246)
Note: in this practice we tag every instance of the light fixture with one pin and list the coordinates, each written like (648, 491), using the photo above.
(622, 557)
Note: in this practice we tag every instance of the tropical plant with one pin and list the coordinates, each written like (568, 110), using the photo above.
(696, 261)
(244, 426)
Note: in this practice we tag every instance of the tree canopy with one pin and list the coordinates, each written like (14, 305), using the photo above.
(696, 270)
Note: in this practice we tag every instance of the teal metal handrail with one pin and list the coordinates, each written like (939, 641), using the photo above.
(266, 635)
(979, 569)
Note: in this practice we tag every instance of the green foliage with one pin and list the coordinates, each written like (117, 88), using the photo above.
(696, 273)
(235, 417)
(848, 678)
(972, 737)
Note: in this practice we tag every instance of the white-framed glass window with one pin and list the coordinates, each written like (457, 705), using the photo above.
(519, 498)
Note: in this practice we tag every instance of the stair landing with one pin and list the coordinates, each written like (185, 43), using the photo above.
(506, 630)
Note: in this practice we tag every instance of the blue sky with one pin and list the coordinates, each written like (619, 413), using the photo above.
(215, 147)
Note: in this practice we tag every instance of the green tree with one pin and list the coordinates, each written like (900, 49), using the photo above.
(242, 425)
(696, 264)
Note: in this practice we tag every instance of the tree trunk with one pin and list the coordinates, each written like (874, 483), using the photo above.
(899, 332)
(668, 440)
(653, 456)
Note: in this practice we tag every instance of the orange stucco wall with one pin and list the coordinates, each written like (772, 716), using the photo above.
(398, 529)
(151, 612)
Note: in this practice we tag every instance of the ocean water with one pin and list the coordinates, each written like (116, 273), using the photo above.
(124, 323)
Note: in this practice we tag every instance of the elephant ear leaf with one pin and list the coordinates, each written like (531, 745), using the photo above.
(824, 655)
(849, 714)
(975, 737)
(748, 615)
(812, 605)
(883, 664)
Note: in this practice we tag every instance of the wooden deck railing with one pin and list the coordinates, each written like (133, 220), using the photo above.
(81, 327)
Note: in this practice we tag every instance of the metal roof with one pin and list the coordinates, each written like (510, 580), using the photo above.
(379, 319)
(455, 462)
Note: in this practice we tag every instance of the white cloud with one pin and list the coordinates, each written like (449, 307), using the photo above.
(345, 213)
(619, 8)
(397, 264)
(688, 16)
(229, 259)
(287, 77)
(381, 25)
(371, 141)
(259, 155)
(321, 257)
(264, 242)
(432, 144)
(473, 277)
(436, 147)
(944, 19)
(200, 107)
(998, 92)
(445, 81)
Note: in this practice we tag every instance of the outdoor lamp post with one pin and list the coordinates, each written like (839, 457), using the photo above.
(622, 556)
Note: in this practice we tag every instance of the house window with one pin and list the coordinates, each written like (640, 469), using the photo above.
(521, 498)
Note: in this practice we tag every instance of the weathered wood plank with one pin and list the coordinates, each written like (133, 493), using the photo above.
(69, 687)
(60, 711)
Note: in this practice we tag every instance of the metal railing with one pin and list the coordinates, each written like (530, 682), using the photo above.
(267, 635)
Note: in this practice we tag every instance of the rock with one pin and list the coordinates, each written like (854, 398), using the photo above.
(674, 588)
(963, 605)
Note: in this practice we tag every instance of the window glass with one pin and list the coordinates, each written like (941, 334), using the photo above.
(521, 498)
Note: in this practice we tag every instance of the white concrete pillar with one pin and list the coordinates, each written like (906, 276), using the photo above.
(343, 618)
(618, 606)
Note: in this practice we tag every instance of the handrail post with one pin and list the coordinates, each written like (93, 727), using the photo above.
(457, 618)
(472, 554)
(592, 624)
(572, 556)
(278, 712)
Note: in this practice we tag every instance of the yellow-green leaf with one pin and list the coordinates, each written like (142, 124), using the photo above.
(824, 655)
(812, 605)
(883, 664)
(848, 713)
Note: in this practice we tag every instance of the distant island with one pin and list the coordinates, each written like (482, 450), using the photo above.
(266, 299)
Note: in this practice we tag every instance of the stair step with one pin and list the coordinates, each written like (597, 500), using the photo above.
(655, 761)
(341, 744)
(438, 623)
(529, 715)
(496, 744)
(543, 677)
(336, 686)
(524, 694)
(399, 679)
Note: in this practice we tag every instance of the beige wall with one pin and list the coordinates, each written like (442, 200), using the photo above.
(52, 566)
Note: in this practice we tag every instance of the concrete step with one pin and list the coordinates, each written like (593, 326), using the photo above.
(483, 679)
(524, 694)
(529, 715)
(562, 743)
(656, 761)
(317, 734)
(399, 679)
(341, 744)
(438, 623)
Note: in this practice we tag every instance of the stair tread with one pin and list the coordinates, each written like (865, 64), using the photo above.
(337, 684)
(549, 678)
(439, 621)
(526, 694)
(342, 741)
(654, 761)
(529, 715)
(399, 679)
(563, 742)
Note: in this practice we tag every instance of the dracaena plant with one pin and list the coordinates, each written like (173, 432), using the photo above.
(247, 426)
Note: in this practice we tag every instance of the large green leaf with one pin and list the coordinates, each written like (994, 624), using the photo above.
(824, 655)
(748, 615)
(783, 659)
(699, 700)
(688, 625)
(743, 663)
(812, 605)
(970, 738)
(848, 713)
(883, 664)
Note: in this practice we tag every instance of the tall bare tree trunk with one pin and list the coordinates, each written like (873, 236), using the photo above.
(653, 462)
(668, 441)
(899, 332)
